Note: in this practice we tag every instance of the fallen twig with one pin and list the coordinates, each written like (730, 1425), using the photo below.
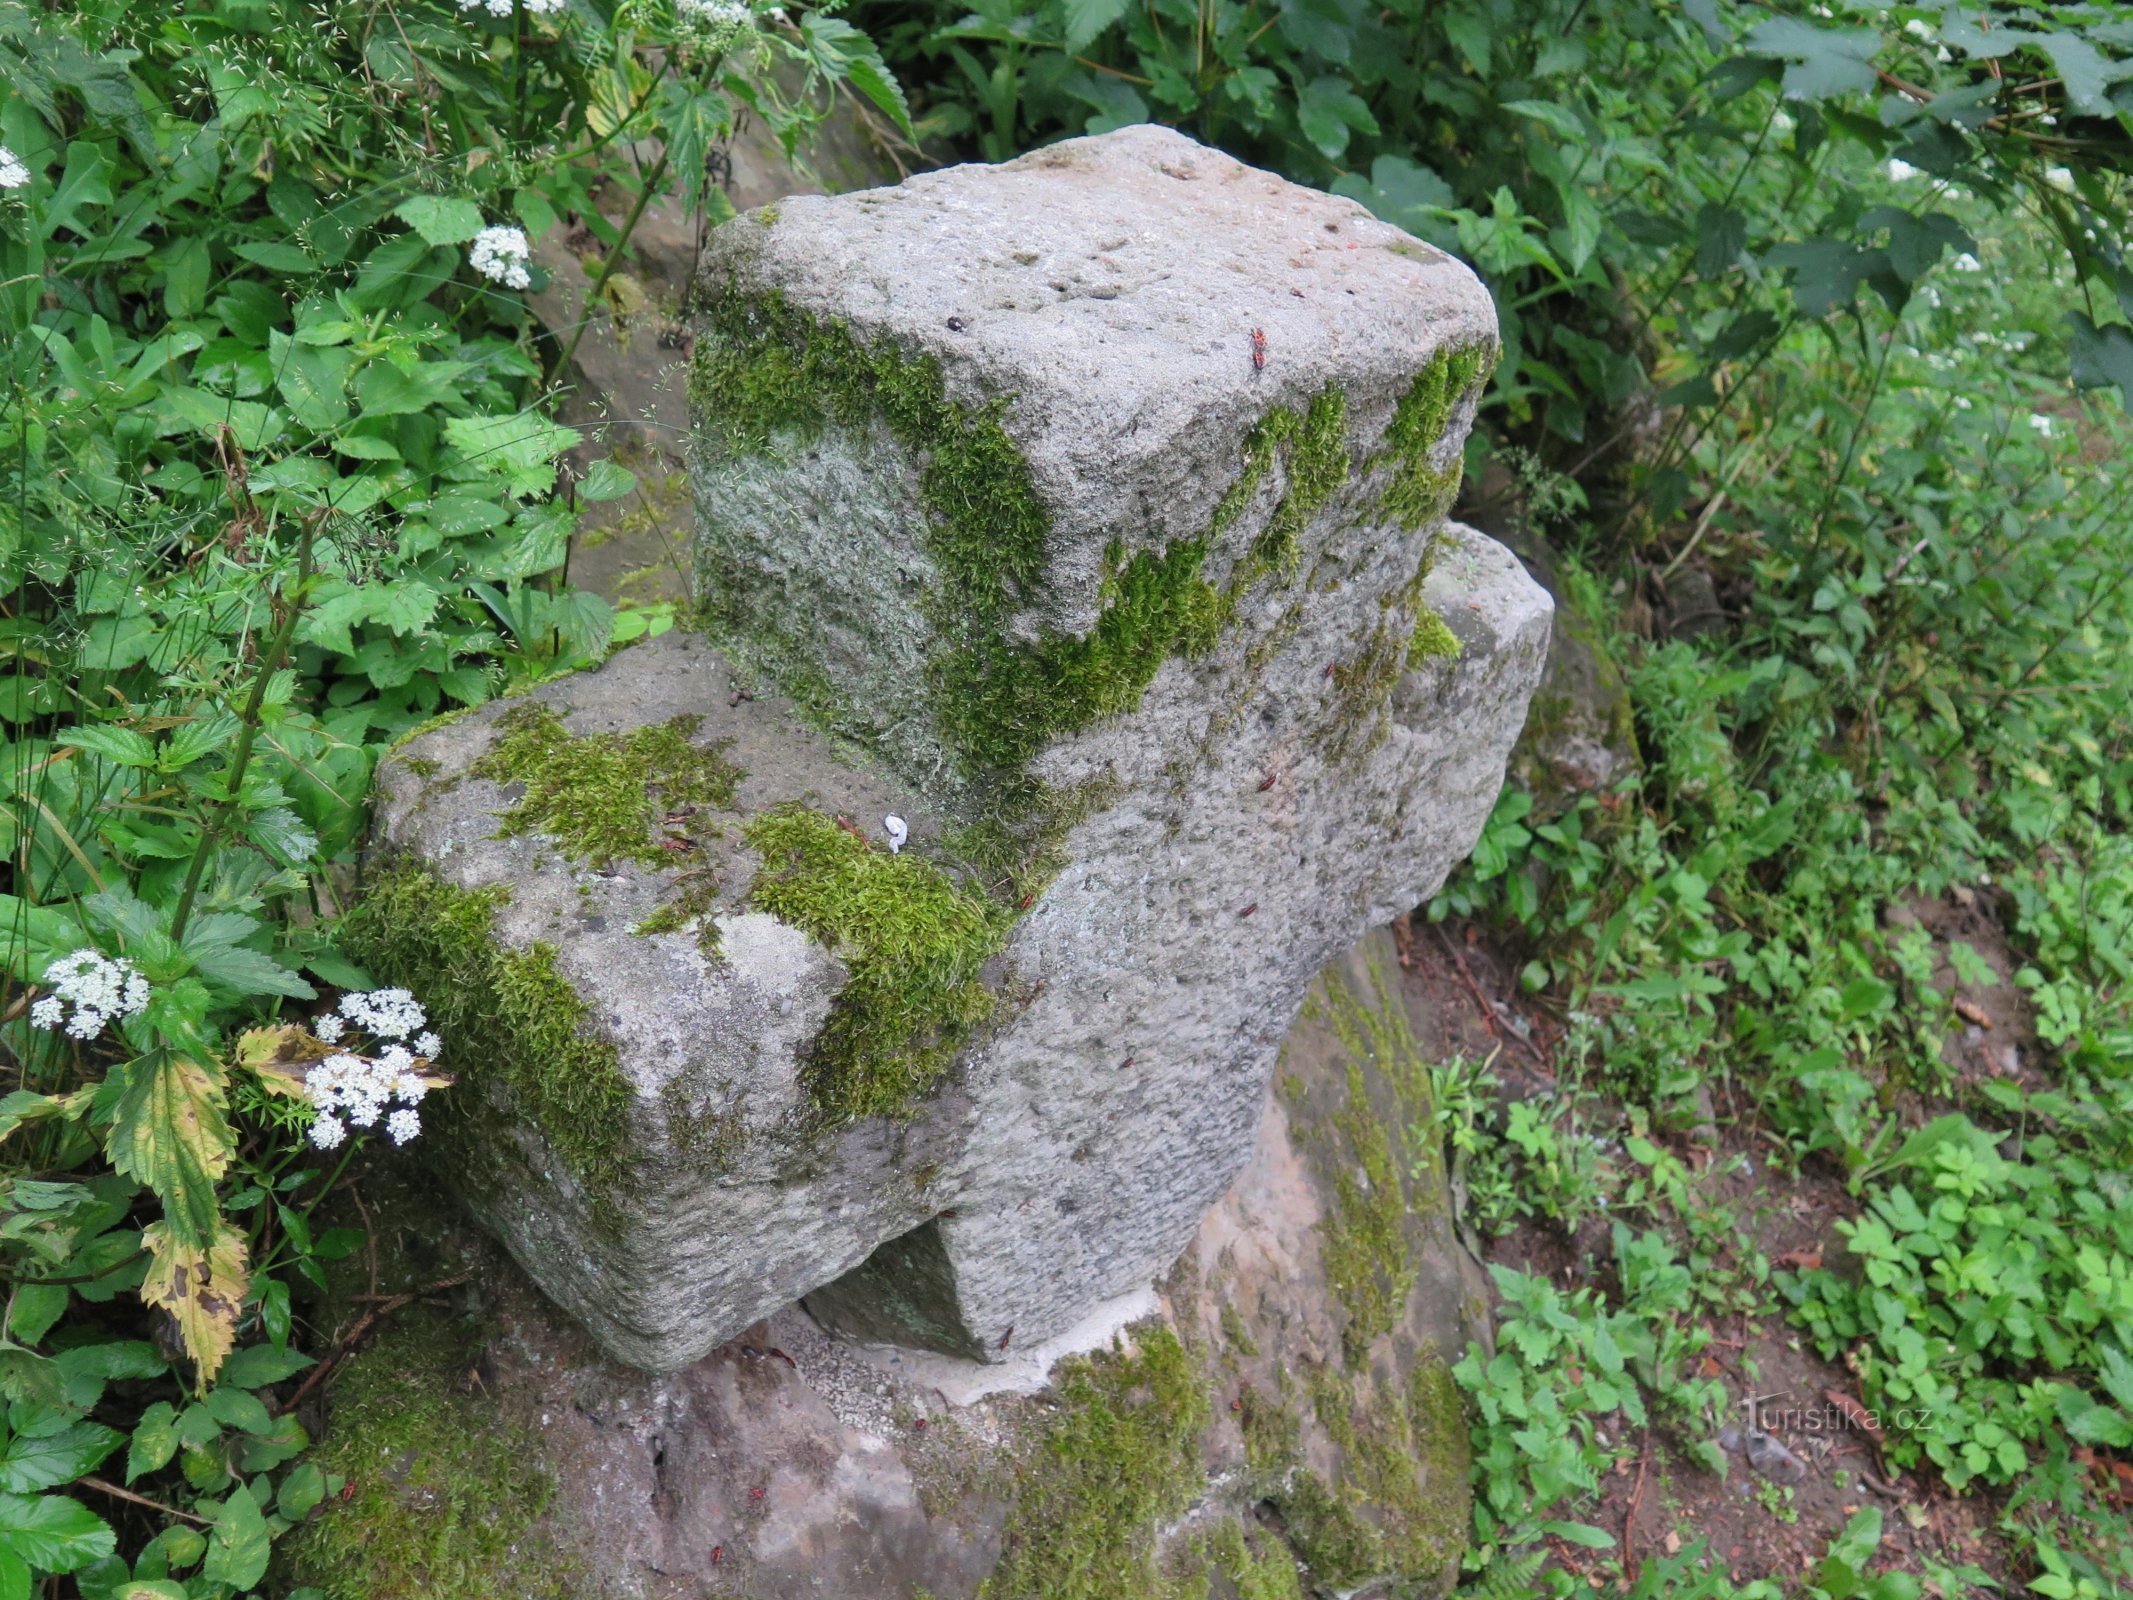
(116, 1493)
(1488, 1012)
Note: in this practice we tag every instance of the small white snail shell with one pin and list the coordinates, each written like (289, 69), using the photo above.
(898, 831)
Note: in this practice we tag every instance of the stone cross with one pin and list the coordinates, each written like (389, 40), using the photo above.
(1082, 661)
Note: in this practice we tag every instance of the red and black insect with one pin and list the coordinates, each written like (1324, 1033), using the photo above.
(1009, 1334)
(1248, 910)
(1258, 349)
(1267, 782)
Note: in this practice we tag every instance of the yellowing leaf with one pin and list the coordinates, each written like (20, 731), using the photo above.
(169, 1132)
(281, 1057)
(203, 1289)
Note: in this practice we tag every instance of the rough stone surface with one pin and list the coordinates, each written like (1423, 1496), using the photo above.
(874, 1482)
(1316, 765)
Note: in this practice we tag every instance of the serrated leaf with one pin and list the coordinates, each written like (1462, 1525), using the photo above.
(2103, 354)
(52, 1532)
(202, 1288)
(238, 1548)
(522, 448)
(124, 747)
(606, 480)
(1085, 19)
(170, 1133)
(28, 1464)
(281, 1057)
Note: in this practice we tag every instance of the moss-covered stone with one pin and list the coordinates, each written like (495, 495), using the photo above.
(769, 370)
(1121, 1461)
(602, 797)
(506, 1017)
(444, 1492)
(913, 941)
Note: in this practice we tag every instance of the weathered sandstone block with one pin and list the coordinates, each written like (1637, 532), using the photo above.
(1086, 515)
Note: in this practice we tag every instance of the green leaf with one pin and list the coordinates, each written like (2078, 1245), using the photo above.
(1085, 19)
(238, 1548)
(170, 1133)
(843, 51)
(606, 480)
(258, 1365)
(155, 1440)
(1469, 32)
(441, 219)
(28, 1464)
(239, 1408)
(1557, 119)
(311, 381)
(124, 747)
(522, 448)
(1825, 62)
(302, 1490)
(2103, 354)
(1328, 111)
(37, 1306)
(1580, 1533)
(52, 1532)
(112, 644)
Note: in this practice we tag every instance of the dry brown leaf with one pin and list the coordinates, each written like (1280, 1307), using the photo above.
(1971, 1011)
(1801, 1260)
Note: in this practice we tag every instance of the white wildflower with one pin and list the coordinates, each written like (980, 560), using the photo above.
(388, 1013)
(502, 8)
(2059, 177)
(1966, 262)
(1942, 54)
(500, 254)
(354, 1090)
(1903, 171)
(898, 831)
(13, 174)
(89, 989)
(1962, 402)
(2041, 423)
(718, 13)
(1917, 29)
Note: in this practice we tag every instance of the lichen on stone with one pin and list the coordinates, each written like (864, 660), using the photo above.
(507, 1017)
(913, 941)
(602, 796)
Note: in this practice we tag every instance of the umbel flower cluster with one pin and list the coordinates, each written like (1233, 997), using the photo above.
(89, 988)
(502, 8)
(378, 1074)
(13, 174)
(500, 254)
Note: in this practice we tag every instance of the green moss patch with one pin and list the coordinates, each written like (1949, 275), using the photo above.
(602, 797)
(913, 941)
(505, 1016)
(445, 1493)
(1418, 492)
(1433, 639)
(1122, 1460)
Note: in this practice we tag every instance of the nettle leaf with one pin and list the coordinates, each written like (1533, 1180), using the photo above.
(155, 1440)
(52, 1532)
(203, 1289)
(2083, 69)
(170, 1133)
(124, 747)
(256, 1366)
(441, 219)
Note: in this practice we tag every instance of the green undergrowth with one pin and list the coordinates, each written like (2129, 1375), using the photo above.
(444, 1492)
(505, 1016)
(602, 796)
(913, 941)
